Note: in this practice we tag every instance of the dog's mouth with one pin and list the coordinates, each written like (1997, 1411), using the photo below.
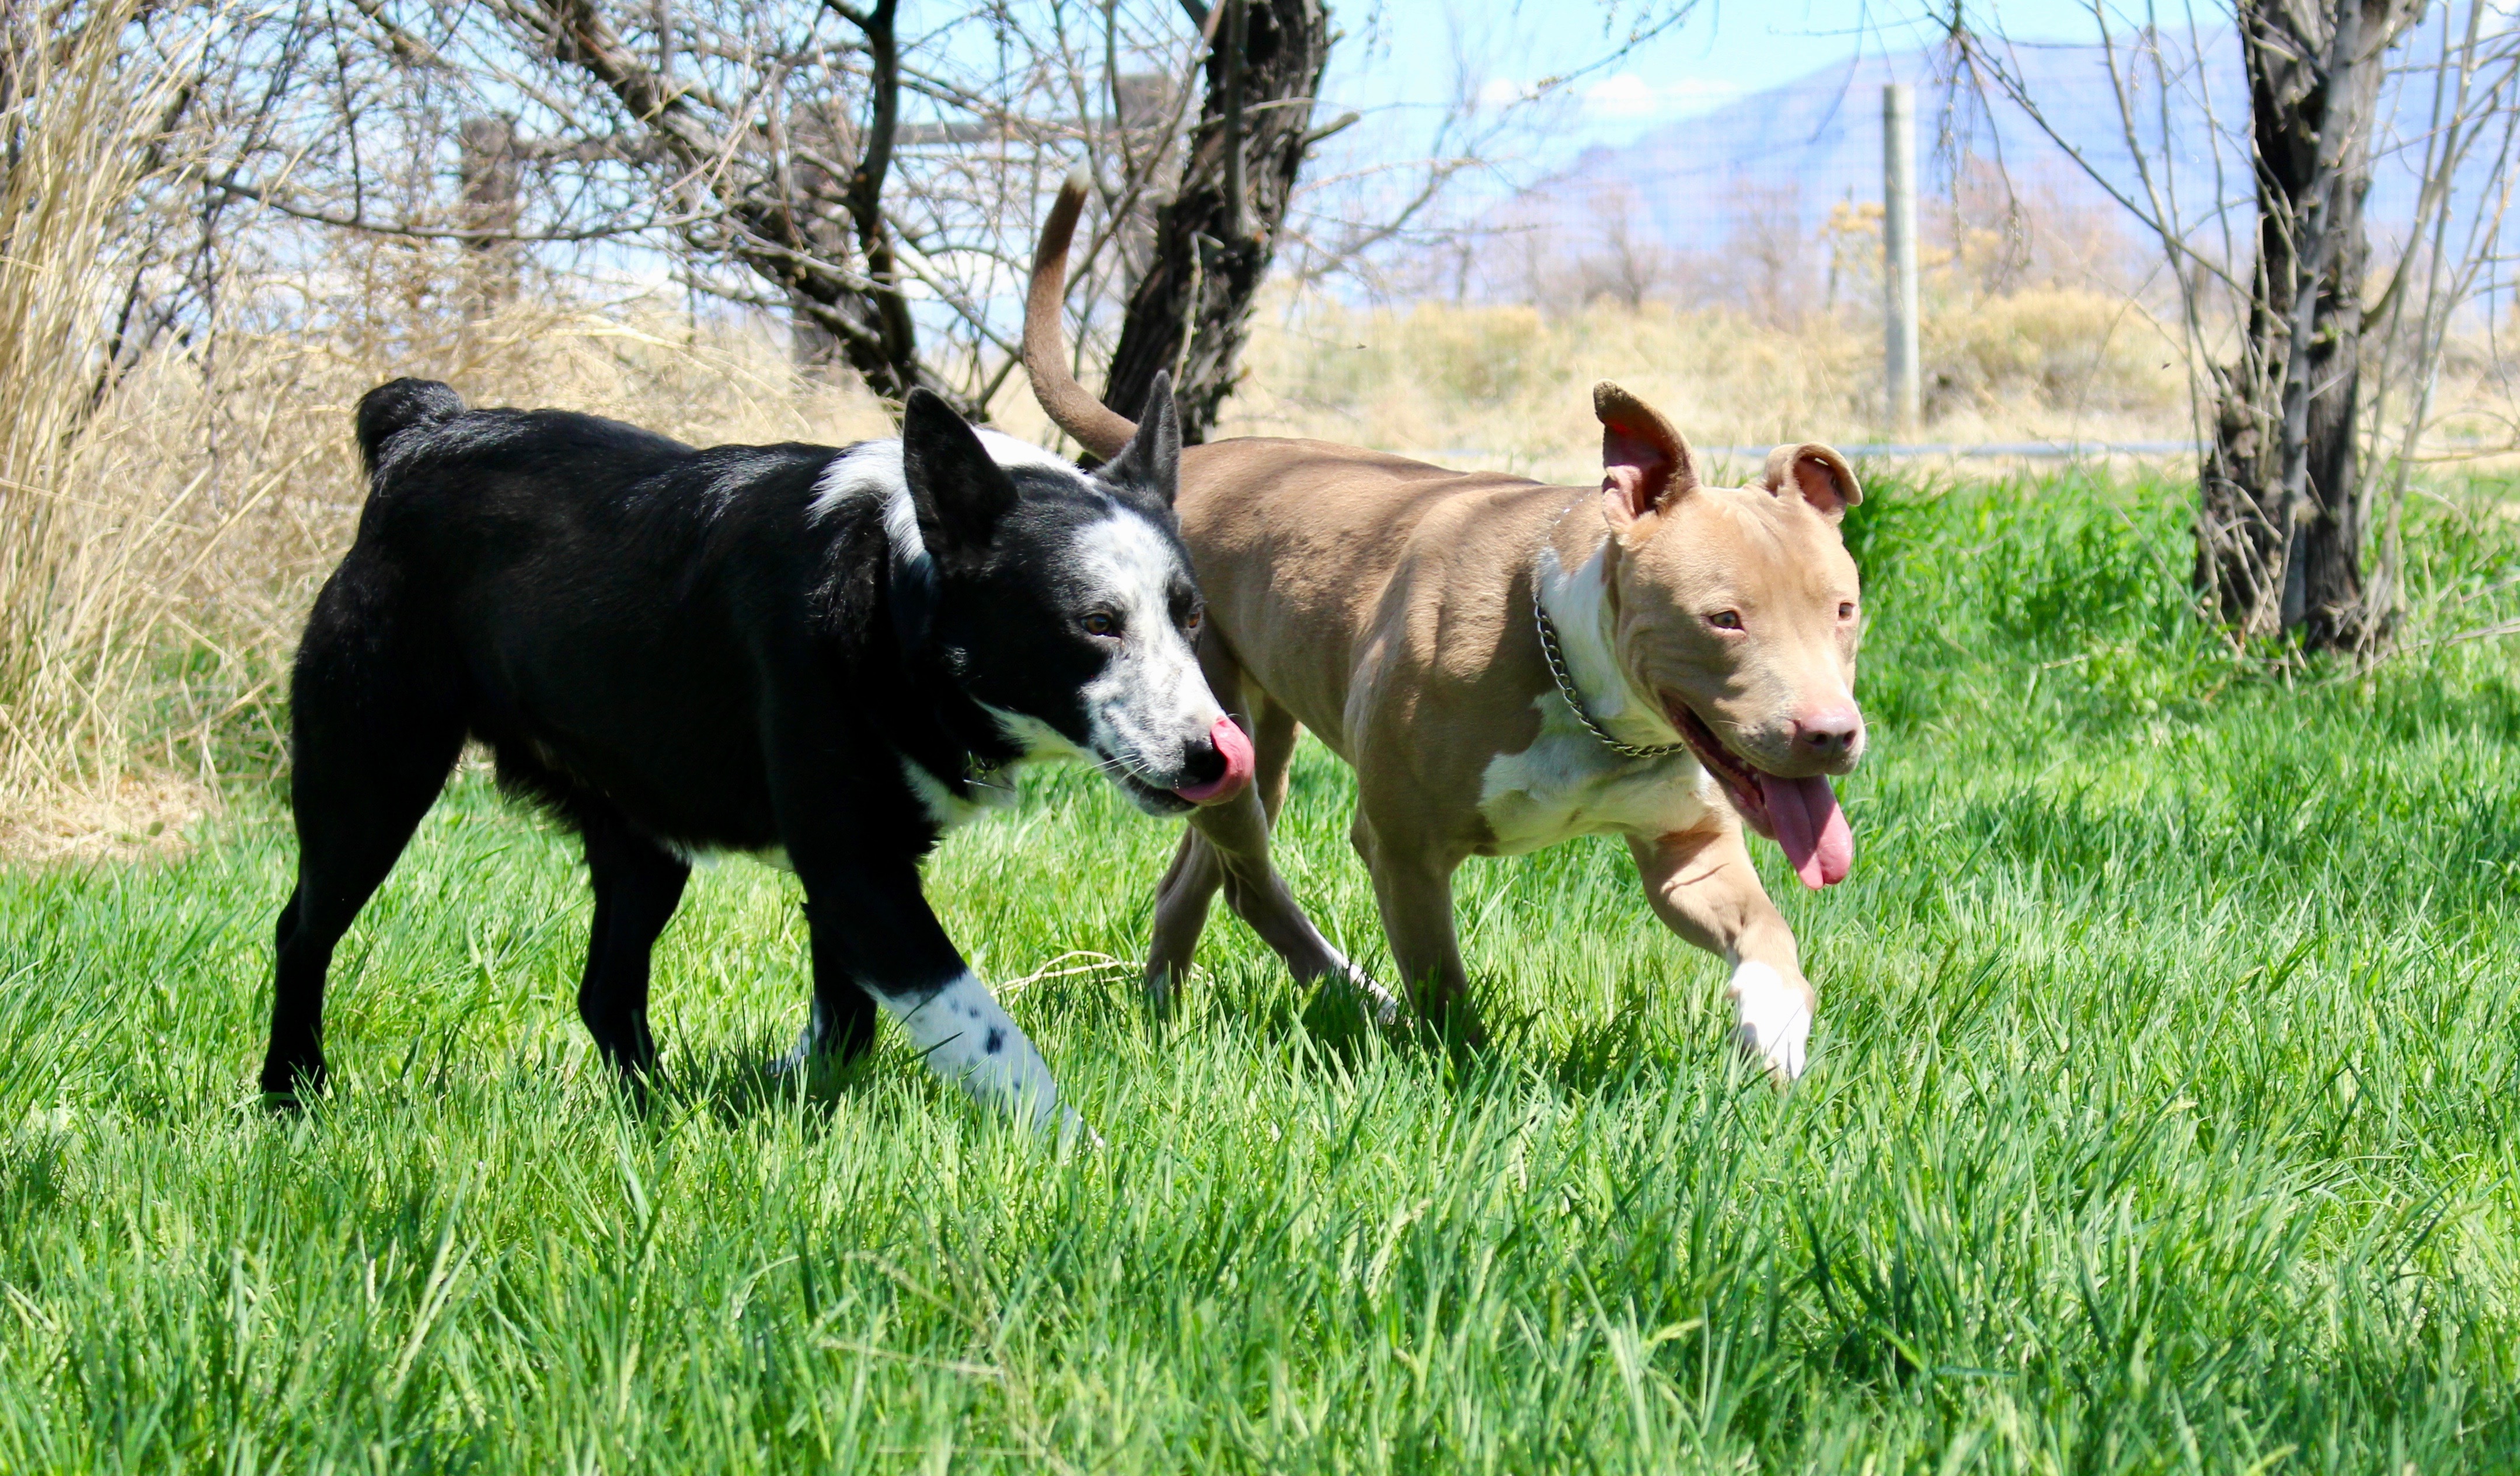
(1234, 776)
(1147, 796)
(1800, 815)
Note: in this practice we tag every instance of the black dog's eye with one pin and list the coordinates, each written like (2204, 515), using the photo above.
(1725, 619)
(1189, 621)
(1102, 623)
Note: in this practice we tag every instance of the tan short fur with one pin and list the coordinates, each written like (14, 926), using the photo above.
(1387, 606)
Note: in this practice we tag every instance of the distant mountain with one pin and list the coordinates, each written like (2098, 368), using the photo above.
(1762, 176)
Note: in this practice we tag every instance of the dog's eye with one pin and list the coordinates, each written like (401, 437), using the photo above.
(1102, 623)
(1725, 619)
(1190, 622)
(1846, 610)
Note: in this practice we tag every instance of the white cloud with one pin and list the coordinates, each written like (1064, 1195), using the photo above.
(1626, 94)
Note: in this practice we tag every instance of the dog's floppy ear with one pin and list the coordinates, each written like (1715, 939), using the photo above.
(1153, 458)
(1819, 473)
(959, 492)
(1645, 464)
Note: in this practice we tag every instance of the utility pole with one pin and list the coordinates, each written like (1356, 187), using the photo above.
(1899, 257)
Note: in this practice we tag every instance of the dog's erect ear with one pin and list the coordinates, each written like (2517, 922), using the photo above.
(1818, 474)
(1646, 464)
(1153, 458)
(959, 492)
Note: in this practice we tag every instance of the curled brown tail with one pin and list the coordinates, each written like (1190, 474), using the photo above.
(1096, 426)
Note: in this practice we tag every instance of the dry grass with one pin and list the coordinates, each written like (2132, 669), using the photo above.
(117, 818)
(1506, 386)
(70, 115)
(158, 555)
(226, 488)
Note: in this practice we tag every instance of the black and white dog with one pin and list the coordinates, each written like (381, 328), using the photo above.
(837, 654)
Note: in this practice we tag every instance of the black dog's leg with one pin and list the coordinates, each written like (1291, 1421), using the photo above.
(374, 738)
(638, 884)
(842, 1026)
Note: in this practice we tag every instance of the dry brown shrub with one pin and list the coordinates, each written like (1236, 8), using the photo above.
(69, 113)
(2064, 349)
(1508, 387)
(217, 491)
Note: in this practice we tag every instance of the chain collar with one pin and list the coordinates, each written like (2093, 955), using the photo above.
(1574, 699)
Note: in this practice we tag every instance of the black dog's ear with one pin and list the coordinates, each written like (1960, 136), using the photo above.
(959, 492)
(1153, 458)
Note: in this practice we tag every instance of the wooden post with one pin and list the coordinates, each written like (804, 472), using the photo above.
(487, 167)
(1899, 257)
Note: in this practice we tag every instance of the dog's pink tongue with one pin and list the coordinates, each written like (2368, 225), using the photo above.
(1236, 750)
(1810, 827)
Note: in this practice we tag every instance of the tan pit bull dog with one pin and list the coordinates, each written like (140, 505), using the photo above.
(1507, 665)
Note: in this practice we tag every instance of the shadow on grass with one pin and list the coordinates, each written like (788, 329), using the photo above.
(747, 1079)
(1333, 1030)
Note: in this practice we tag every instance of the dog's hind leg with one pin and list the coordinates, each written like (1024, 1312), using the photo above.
(1228, 846)
(374, 734)
(638, 884)
(1182, 900)
(1189, 884)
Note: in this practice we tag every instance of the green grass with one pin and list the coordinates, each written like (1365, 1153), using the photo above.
(2162, 1119)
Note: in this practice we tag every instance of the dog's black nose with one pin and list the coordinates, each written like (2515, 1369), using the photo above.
(1202, 763)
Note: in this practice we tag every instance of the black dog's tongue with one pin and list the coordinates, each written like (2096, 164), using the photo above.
(1810, 827)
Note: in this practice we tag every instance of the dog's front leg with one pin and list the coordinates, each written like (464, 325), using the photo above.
(1703, 887)
(875, 932)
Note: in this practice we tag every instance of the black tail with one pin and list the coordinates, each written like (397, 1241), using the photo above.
(395, 406)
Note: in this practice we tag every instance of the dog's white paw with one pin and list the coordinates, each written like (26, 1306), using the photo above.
(796, 1058)
(1380, 1002)
(1074, 1131)
(1776, 1018)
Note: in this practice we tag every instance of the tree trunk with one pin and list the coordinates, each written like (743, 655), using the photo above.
(1191, 312)
(863, 304)
(2280, 532)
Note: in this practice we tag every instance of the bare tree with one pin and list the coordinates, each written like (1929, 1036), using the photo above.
(737, 107)
(1626, 268)
(875, 181)
(872, 172)
(2286, 490)
(2281, 521)
(1215, 237)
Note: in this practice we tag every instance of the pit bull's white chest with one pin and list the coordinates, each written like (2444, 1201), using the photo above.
(1568, 784)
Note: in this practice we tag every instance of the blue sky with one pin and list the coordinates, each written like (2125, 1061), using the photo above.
(1404, 54)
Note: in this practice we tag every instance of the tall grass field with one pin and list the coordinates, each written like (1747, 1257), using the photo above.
(2162, 1118)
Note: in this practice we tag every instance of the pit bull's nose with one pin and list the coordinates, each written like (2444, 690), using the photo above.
(1831, 733)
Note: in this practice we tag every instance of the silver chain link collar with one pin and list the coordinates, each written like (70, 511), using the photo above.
(1574, 699)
